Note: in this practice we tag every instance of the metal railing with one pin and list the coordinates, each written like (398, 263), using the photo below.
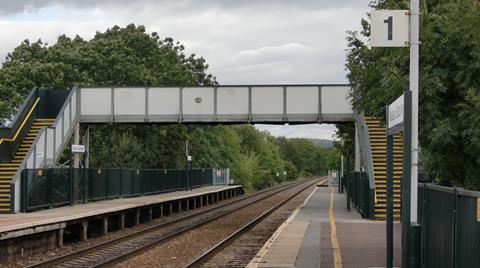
(53, 187)
(450, 226)
(359, 193)
(365, 147)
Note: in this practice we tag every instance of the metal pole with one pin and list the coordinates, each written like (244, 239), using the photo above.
(413, 230)
(414, 72)
(406, 179)
(389, 200)
(186, 165)
(76, 140)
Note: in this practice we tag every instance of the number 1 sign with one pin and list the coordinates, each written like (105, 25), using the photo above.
(389, 28)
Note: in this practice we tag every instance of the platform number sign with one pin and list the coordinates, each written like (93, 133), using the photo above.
(389, 28)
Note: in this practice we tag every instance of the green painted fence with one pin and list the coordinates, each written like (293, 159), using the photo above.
(54, 187)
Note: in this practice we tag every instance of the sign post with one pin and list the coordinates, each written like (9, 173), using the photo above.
(400, 28)
(75, 149)
(395, 123)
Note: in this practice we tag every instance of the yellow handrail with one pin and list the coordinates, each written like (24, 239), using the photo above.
(23, 123)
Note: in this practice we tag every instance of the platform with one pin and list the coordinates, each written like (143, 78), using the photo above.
(103, 216)
(306, 239)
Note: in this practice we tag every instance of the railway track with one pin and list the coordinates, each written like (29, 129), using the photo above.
(207, 259)
(121, 248)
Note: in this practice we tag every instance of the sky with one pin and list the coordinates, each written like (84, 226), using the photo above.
(243, 41)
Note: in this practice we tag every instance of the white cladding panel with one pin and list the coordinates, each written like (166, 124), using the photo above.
(40, 150)
(335, 100)
(198, 101)
(164, 101)
(30, 160)
(58, 134)
(232, 100)
(129, 101)
(50, 139)
(66, 119)
(96, 101)
(302, 100)
(267, 100)
(74, 105)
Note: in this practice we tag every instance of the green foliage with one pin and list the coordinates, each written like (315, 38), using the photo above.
(449, 84)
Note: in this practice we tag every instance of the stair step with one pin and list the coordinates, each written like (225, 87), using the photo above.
(7, 169)
(384, 210)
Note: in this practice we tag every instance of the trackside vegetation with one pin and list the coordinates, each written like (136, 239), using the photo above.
(129, 56)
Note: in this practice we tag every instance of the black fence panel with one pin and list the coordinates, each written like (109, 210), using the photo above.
(97, 184)
(450, 229)
(60, 185)
(358, 190)
(439, 231)
(46, 188)
(125, 182)
(113, 183)
(467, 232)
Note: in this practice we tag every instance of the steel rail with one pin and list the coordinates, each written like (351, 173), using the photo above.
(110, 243)
(213, 250)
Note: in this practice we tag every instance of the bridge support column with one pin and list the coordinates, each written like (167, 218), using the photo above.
(357, 150)
(60, 233)
(84, 231)
(104, 226)
(121, 221)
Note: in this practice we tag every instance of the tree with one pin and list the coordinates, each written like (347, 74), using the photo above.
(449, 81)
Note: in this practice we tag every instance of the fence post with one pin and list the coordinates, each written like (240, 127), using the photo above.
(70, 180)
(48, 175)
(454, 227)
(85, 178)
(106, 183)
(424, 225)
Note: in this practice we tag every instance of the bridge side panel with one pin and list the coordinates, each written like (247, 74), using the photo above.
(233, 104)
(96, 104)
(336, 105)
(164, 104)
(302, 103)
(198, 104)
(267, 104)
(129, 105)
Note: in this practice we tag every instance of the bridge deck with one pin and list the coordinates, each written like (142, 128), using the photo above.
(305, 239)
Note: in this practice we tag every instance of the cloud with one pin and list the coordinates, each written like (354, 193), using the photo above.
(309, 131)
(18, 6)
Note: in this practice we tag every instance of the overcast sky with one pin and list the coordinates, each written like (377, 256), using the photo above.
(243, 41)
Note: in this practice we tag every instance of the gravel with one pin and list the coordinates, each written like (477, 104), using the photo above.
(184, 248)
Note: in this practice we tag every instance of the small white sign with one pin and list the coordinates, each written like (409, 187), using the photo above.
(189, 158)
(389, 28)
(78, 148)
(395, 113)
